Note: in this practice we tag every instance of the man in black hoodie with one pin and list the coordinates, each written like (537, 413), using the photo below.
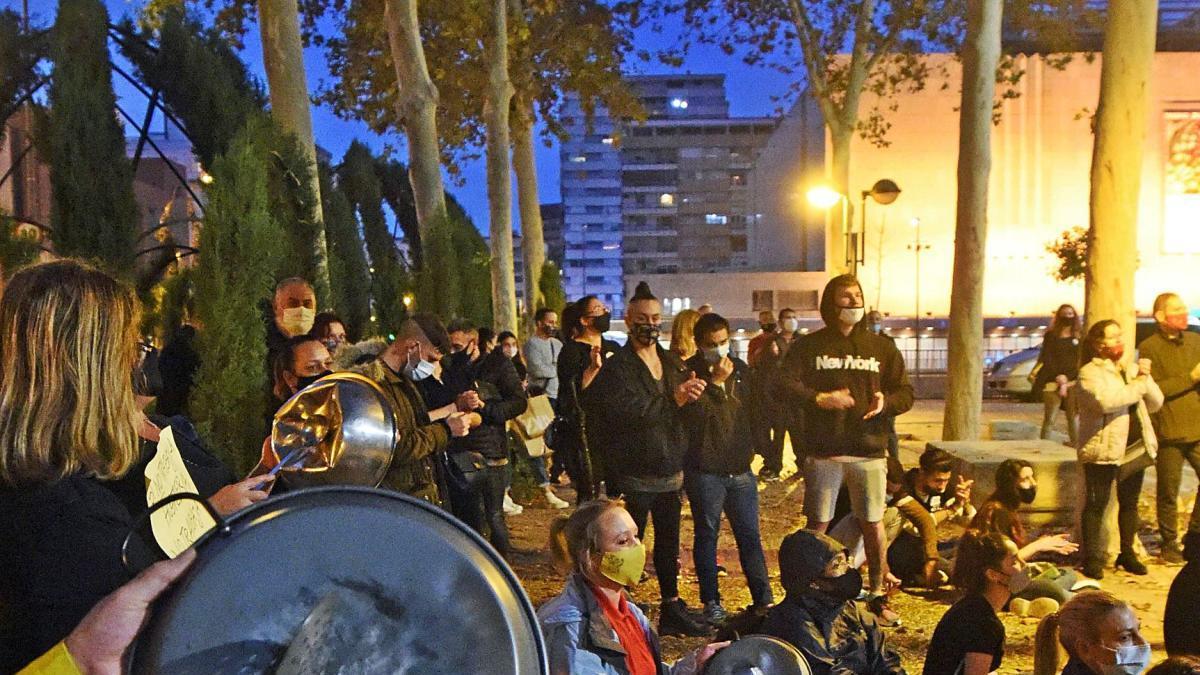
(847, 380)
(819, 616)
(635, 412)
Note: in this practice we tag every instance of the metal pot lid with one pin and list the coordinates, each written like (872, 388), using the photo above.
(343, 580)
(758, 655)
(350, 426)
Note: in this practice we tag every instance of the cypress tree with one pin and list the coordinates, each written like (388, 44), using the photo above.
(200, 78)
(357, 178)
(238, 260)
(470, 262)
(550, 284)
(94, 212)
(349, 280)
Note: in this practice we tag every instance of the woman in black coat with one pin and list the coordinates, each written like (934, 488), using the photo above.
(70, 429)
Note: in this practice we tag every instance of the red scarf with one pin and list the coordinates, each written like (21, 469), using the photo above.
(638, 657)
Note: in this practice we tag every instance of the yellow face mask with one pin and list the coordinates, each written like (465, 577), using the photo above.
(625, 565)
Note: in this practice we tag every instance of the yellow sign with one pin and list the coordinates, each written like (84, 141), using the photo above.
(176, 526)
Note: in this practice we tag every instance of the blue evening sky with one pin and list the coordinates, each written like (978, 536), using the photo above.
(749, 90)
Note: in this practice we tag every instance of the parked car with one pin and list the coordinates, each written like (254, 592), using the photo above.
(1009, 376)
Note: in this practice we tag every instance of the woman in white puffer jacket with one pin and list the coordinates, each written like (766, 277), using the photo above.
(1114, 404)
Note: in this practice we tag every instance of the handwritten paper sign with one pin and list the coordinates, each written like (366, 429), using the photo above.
(176, 526)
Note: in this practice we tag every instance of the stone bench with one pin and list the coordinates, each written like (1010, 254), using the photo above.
(1054, 466)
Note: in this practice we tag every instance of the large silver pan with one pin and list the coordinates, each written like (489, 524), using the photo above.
(343, 580)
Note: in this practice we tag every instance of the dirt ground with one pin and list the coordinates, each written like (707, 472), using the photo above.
(780, 505)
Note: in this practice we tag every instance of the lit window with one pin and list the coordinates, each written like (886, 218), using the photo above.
(607, 140)
(666, 199)
(715, 219)
(687, 303)
(578, 159)
(676, 305)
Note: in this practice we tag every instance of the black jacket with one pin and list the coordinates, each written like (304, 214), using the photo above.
(862, 362)
(1183, 606)
(719, 436)
(496, 380)
(60, 553)
(633, 421)
(572, 362)
(844, 642)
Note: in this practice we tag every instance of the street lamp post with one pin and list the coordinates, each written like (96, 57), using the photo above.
(916, 247)
(884, 192)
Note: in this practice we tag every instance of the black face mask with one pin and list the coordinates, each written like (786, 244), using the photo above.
(840, 589)
(1027, 495)
(768, 327)
(603, 322)
(646, 333)
(304, 382)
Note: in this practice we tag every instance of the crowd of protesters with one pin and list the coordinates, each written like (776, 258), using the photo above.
(640, 430)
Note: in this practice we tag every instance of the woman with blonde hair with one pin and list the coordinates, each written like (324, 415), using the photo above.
(1100, 633)
(683, 333)
(70, 428)
(593, 627)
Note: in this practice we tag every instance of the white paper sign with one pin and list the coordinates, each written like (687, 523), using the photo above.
(176, 526)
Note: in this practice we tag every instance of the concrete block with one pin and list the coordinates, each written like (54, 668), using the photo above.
(1013, 430)
(1054, 466)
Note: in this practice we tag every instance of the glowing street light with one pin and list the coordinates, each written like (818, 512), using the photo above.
(824, 197)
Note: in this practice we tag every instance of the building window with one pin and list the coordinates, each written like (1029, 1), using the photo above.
(737, 243)
(578, 159)
(737, 179)
(715, 219)
(666, 199)
(762, 301)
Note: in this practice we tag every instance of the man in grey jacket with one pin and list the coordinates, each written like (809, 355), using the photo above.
(541, 354)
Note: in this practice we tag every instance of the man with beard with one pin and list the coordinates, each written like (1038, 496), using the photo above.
(819, 616)
(635, 413)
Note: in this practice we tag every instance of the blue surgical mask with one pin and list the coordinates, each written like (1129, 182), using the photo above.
(1131, 660)
(422, 370)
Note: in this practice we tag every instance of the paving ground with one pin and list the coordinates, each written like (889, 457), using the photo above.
(780, 505)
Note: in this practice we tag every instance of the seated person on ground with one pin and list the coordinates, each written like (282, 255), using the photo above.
(819, 615)
(1099, 631)
(593, 627)
(969, 638)
(1016, 485)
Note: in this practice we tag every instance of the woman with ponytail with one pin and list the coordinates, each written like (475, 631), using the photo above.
(1100, 634)
(969, 639)
(593, 627)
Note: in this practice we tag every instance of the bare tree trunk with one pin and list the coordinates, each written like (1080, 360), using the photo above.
(1120, 130)
(283, 59)
(417, 108)
(499, 173)
(533, 244)
(981, 55)
(835, 241)
(1117, 162)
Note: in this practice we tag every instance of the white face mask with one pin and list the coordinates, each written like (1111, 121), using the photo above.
(298, 320)
(851, 315)
(715, 354)
(510, 352)
(790, 325)
(1131, 660)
